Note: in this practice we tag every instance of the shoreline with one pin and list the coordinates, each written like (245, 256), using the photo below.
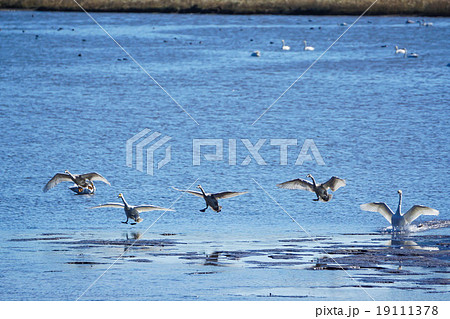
(434, 8)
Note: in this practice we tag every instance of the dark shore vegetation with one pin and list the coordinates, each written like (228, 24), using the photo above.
(287, 7)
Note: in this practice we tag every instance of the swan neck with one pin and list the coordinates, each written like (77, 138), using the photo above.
(313, 180)
(399, 209)
(71, 176)
(202, 190)
(124, 201)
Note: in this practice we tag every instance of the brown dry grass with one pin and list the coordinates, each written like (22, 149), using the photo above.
(320, 7)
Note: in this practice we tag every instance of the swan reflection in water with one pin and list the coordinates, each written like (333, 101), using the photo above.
(401, 242)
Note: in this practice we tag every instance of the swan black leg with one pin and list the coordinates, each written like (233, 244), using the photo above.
(316, 200)
(204, 209)
(125, 222)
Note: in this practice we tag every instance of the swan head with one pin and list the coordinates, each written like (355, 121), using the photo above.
(66, 171)
(399, 192)
(120, 195)
(308, 176)
(199, 186)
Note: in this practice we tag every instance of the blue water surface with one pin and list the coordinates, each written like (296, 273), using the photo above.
(71, 98)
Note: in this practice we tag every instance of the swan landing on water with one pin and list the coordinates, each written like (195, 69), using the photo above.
(399, 221)
(211, 199)
(132, 212)
(84, 181)
(333, 183)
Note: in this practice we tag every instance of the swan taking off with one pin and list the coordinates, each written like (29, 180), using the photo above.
(284, 46)
(333, 183)
(82, 180)
(398, 220)
(307, 48)
(132, 212)
(211, 199)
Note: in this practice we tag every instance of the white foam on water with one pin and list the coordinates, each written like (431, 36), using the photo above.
(415, 228)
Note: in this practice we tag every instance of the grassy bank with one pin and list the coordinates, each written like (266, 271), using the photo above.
(313, 7)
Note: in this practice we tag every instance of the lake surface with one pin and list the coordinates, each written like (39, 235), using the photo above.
(71, 98)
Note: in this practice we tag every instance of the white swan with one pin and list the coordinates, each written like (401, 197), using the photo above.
(399, 221)
(284, 46)
(211, 199)
(400, 51)
(307, 48)
(82, 180)
(132, 212)
(334, 183)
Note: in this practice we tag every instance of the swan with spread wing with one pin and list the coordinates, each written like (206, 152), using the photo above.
(397, 220)
(321, 190)
(132, 212)
(84, 181)
(211, 199)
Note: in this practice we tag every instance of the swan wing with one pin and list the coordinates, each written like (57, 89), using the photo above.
(223, 195)
(297, 184)
(381, 208)
(58, 178)
(95, 177)
(115, 205)
(334, 183)
(196, 193)
(147, 208)
(418, 210)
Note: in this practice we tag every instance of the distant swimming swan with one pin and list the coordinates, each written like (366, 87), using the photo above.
(284, 46)
(400, 51)
(334, 183)
(132, 212)
(307, 48)
(211, 199)
(398, 220)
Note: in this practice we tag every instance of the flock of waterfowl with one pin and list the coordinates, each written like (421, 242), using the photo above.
(84, 186)
(285, 47)
(306, 47)
(403, 51)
